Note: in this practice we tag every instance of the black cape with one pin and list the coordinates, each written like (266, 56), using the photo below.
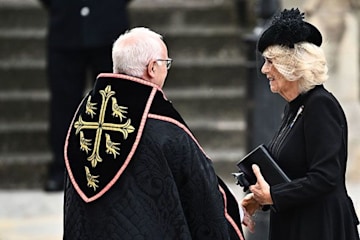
(135, 171)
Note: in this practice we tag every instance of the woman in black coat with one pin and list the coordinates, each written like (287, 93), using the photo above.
(311, 144)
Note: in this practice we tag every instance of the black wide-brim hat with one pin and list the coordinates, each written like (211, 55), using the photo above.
(289, 28)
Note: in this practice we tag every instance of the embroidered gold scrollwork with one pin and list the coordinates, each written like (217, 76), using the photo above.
(118, 111)
(90, 107)
(111, 147)
(91, 179)
(84, 143)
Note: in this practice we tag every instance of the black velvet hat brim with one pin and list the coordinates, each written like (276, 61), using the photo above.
(276, 35)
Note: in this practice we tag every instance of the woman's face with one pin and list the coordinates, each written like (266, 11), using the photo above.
(278, 83)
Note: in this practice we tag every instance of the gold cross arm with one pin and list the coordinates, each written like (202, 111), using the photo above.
(80, 125)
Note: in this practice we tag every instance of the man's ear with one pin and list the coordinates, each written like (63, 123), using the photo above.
(151, 68)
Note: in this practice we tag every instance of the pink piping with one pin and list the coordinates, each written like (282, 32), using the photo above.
(141, 127)
(182, 126)
(132, 151)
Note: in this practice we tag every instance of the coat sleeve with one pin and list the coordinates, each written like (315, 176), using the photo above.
(325, 134)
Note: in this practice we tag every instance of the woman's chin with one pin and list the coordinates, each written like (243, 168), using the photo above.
(273, 90)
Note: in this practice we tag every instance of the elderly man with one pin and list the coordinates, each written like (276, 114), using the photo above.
(134, 169)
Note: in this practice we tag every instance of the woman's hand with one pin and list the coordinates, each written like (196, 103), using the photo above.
(261, 189)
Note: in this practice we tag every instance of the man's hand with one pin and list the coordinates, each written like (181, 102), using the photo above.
(250, 206)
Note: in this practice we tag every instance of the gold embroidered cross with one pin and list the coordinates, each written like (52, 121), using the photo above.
(117, 111)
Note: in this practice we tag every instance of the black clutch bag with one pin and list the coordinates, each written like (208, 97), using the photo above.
(271, 172)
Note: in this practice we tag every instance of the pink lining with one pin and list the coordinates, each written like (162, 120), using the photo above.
(132, 151)
(67, 164)
(228, 217)
(137, 140)
(182, 126)
(134, 79)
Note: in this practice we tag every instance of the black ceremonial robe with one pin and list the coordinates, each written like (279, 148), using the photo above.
(135, 171)
(311, 148)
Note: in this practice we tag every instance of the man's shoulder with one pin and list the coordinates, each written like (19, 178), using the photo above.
(164, 127)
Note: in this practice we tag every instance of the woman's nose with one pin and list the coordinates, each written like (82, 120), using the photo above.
(264, 68)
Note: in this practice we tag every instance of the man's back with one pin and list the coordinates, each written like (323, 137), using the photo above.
(162, 194)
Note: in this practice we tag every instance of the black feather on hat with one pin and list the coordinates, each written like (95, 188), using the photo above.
(288, 28)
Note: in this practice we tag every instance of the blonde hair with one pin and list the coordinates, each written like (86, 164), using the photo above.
(305, 63)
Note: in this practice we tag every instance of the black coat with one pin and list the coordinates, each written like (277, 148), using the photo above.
(90, 23)
(312, 150)
(158, 184)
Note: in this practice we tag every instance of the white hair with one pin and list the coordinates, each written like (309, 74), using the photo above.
(134, 49)
(305, 63)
